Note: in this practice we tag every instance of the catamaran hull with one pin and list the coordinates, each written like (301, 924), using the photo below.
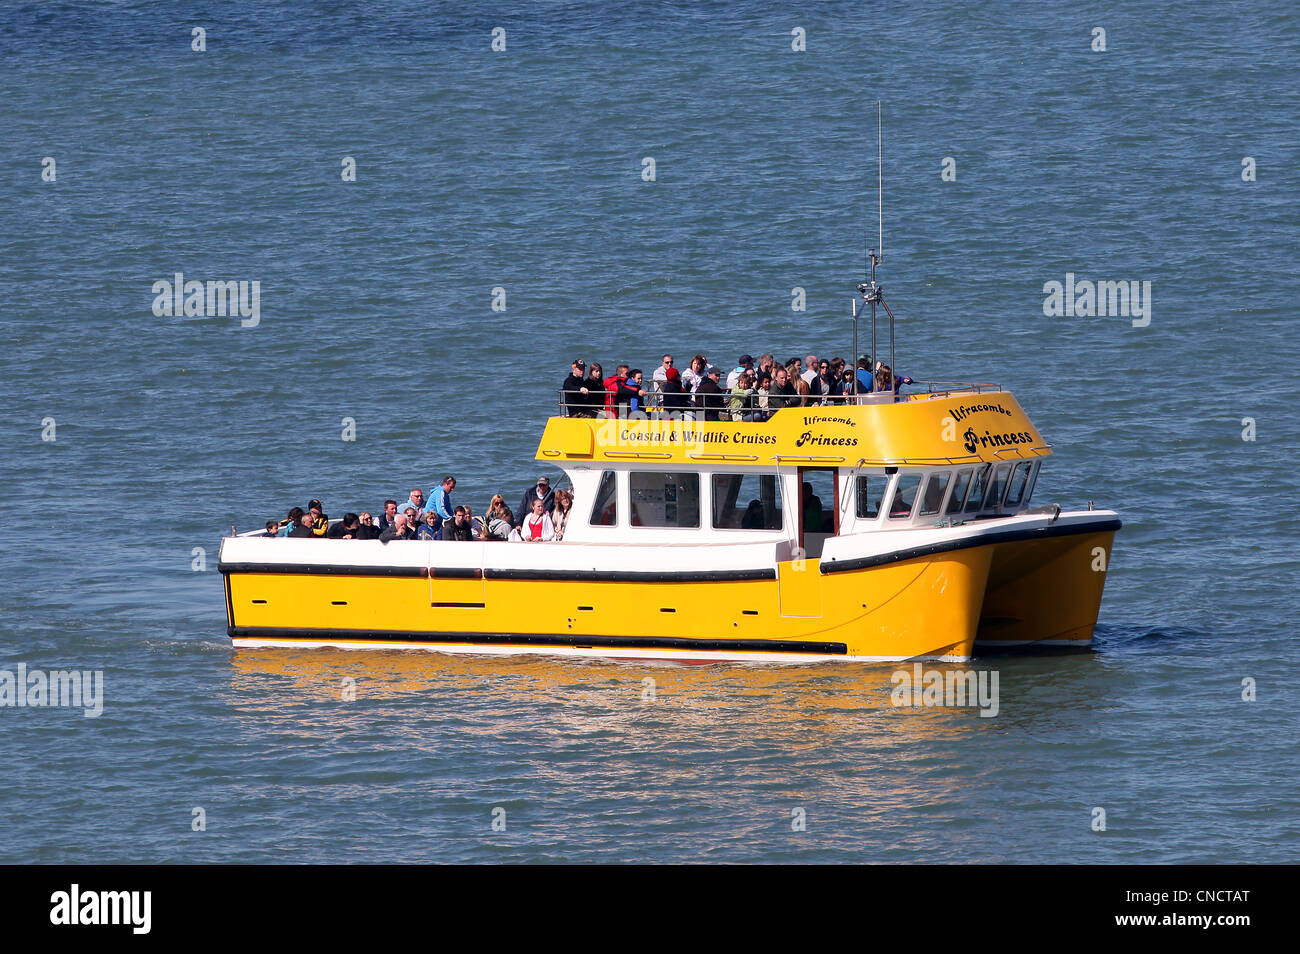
(930, 602)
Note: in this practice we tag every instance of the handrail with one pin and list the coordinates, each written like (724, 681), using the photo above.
(722, 399)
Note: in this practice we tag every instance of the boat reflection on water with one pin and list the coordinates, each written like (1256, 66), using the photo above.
(709, 765)
(553, 698)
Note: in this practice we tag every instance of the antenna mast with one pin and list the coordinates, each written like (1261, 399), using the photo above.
(871, 292)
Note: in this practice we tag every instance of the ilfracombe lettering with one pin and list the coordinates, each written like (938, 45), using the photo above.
(829, 420)
(959, 413)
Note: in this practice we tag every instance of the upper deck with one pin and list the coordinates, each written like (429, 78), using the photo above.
(950, 426)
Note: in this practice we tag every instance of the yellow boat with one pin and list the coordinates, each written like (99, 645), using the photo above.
(880, 527)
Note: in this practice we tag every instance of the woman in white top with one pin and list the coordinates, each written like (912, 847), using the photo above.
(537, 526)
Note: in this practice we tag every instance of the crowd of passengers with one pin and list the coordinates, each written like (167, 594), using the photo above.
(751, 391)
(542, 517)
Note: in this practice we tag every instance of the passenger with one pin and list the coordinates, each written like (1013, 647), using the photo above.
(866, 380)
(811, 367)
(613, 389)
(576, 393)
(499, 526)
(302, 526)
(459, 527)
(441, 502)
(782, 393)
(634, 389)
(596, 393)
(367, 529)
(794, 368)
(823, 385)
(803, 391)
(320, 522)
(415, 502)
(886, 380)
(839, 378)
(812, 510)
(746, 364)
(762, 411)
(428, 528)
(753, 518)
(741, 404)
(400, 530)
(765, 364)
(694, 374)
(344, 529)
(709, 402)
(537, 526)
(674, 398)
(388, 516)
(272, 528)
(291, 521)
(659, 378)
(540, 491)
(563, 505)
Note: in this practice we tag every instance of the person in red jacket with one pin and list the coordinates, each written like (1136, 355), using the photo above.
(614, 385)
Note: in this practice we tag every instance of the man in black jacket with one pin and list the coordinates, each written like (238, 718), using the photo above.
(708, 396)
(345, 529)
(543, 492)
(783, 392)
(578, 399)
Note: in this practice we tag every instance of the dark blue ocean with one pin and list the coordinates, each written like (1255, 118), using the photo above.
(130, 438)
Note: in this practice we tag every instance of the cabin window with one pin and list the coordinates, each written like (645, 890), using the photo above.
(936, 485)
(900, 507)
(662, 499)
(871, 494)
(976, 495)
(997, 487)
(959, 488)
(1019, 484)
(604, 512)
(747, 502)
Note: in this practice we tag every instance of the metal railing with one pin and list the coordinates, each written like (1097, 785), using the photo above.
(720, 402)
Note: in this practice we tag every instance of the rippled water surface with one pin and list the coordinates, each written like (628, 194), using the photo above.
(522, 170)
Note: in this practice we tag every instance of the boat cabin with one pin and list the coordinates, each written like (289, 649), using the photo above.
(804, 475)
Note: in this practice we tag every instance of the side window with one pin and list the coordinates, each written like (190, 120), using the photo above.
(935, 487)
(959, 488)
(976, 495)
(997, 487)
(871, 494)
(662, 499)
(604, 512)
(746, 502)
(900, 507)
(1033, 480)
(1019, 484)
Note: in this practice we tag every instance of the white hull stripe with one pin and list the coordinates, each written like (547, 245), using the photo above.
(669, 655)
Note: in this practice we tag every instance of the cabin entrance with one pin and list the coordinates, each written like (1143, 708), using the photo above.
(819, 512)
(800, 579)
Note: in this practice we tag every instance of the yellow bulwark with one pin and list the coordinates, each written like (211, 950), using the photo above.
(919, 429)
